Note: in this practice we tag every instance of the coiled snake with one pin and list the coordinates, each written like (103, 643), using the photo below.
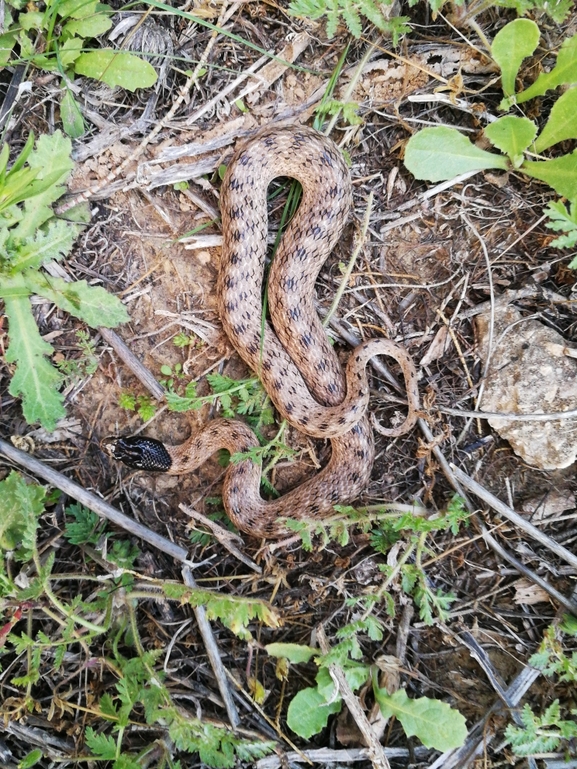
(294, 359)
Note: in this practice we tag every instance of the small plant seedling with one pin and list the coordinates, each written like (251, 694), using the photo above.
(54, 36)
(351, 12)
(103, 610)
(555, 729)
(439, 154)
(31, 236)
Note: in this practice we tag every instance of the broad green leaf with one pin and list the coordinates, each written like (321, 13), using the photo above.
(511, 45)
(92, 26)
(31, 20)
(559, 173)
(512, 135)
(564, 72)
(7, 41)
(435, 723)
(21, 504)
(35, 380)
(92, 304)
(116, 68)
(51, 243)
(71, 116)
(80, 9)
(309, 712)
(562, 123)
(293, 652)
(30, 759)
(68, 52)
(355, 673)
(438, 154)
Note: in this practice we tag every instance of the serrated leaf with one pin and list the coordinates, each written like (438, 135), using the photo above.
(293, 652)
(309, 712)
(435, 723)
(439, 154)
(512, 135)
(102, 746)
(92, 304)
(511, 45)
(71, 116)
(559, 173)
(21, 504)
(51, 243)
(116, 68)
(564, 72)
(35, 380)
(562, 123)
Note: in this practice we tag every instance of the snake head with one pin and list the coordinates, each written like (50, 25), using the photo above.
(138, 452)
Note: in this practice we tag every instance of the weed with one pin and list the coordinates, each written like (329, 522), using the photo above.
(432, 721)
(70, 620)
(555, 728)
(53, 36)
(438, 154)
(31, 236)
(351, 11)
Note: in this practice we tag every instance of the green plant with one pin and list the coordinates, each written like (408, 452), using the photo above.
(438, 154)
(142, 404)
(556, 727)
(434, 723)
(101, 607)
(30, 237)
(53, 36)
(351, 11)
(75, 369)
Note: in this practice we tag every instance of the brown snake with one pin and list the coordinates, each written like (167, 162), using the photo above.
(296, 363)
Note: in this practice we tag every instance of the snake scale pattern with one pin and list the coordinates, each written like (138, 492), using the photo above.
(294, 359)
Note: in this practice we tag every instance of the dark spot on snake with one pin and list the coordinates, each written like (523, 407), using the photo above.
(301, 254)
(290, 284)
(252, 348)
(354, 477)
(289, 408)
(244, 159)
(360, 453)
(239, 329)
(237, 236)
(229, 281)
(306, 340)
(342, 420)
(234, 259)
(332, 388)
(304, 421)
(294, 313)
(267, 365)
(277, 384)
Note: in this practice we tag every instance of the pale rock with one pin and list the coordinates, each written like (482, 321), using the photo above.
(529, 374)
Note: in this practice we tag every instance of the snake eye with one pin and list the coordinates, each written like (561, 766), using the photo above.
(138, 452)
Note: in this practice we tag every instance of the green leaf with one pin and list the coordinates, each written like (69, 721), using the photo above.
(563, 220)
(21, 504)
(68, 52)
(7, 41)
(71, 116)
(84, 529)
(80, 9)
(51, 243)
(293, 652)
(34, 379)
(92, 304)
(103, 747)
(562, 123)
(309, 712)
(116, 68)
(564, 72)
(438, 154)
(512, 135)
(435, 723)
(91, 26)
(30, 759)
(511, 45)
(559, 173)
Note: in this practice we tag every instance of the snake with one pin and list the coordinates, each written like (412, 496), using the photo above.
(290, 352)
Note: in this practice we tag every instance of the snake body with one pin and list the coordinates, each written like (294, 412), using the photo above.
(292, 354)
